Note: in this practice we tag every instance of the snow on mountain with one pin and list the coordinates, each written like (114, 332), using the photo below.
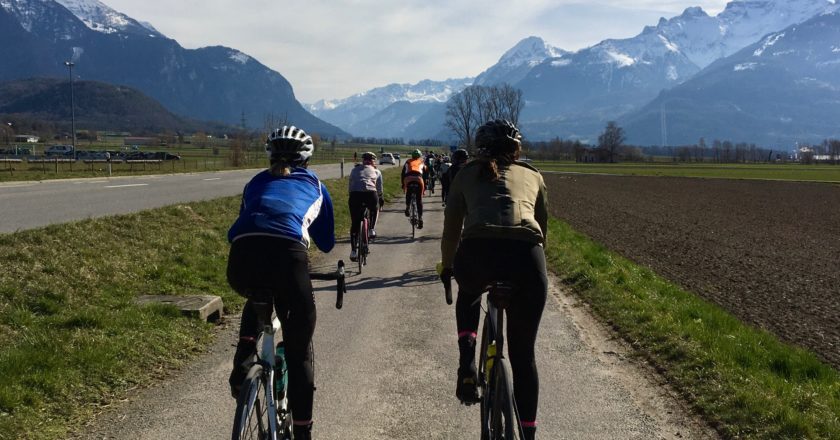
(704, 39)
(782, 89)
(99, 17)
(354, 109)
(518, 60)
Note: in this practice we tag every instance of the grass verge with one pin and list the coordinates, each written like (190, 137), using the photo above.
(71, 338)
(743, 380)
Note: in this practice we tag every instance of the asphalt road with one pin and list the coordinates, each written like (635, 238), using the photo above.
(385, 365)
(27, 205)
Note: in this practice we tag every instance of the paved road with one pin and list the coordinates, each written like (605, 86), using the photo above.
(385, 366)
(27, 205)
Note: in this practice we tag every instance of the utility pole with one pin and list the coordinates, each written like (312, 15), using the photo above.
(70, 65)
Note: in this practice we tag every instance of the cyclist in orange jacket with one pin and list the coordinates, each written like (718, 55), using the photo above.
(415, 171)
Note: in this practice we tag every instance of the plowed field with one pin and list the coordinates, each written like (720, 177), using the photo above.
(767, 251)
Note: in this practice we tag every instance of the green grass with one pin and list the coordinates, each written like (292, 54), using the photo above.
(72, 338)
(743, 380)
(819, 173)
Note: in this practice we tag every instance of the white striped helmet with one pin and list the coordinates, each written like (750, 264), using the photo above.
(289, 143)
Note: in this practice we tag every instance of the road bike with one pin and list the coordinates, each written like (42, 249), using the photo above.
(499, 415)
(363, 239)
(262, 408)
(430, 184)
(413, 216)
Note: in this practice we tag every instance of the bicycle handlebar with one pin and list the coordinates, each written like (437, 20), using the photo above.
(341, 285)
(447, 289)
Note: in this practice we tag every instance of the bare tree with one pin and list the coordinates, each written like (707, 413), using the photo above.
(462, 116)
(611, 139)
(476, 105)
(510, 102)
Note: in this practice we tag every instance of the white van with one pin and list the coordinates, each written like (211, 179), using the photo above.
(59, 150)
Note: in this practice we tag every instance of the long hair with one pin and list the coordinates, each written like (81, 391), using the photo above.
(281, 167)
(491, 166)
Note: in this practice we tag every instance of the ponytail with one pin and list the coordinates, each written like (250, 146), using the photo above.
(280, 168)
(491, 166)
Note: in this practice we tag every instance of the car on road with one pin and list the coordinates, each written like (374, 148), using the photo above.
(387, 158)
(59, 150)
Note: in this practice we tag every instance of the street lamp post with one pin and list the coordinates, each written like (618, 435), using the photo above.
(70, 65)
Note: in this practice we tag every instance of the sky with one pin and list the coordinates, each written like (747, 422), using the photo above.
(330, 49)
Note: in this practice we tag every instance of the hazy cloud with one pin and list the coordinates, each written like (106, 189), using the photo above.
(335, 48)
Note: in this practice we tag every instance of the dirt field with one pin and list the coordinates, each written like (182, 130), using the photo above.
(769, 252)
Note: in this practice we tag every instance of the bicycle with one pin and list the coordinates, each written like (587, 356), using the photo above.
(262, 408)
(430, 184)
(413, 216)
(499, 415)
(363, 239)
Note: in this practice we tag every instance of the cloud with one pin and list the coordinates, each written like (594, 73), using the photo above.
(335, 48)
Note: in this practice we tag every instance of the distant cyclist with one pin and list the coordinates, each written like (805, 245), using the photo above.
(365, 192)
(282, 209)
(415, 171)
(501, 205)
(459, 159)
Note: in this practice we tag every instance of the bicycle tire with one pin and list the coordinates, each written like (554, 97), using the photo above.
(359, 241)
(413, 215)
(486, 392)
(505, 420)
(251, 417)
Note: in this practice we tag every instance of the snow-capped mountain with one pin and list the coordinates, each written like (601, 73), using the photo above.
(348, 112)
(210, 83)
(780, 90)
(518, 60)
(99, 17)
(581, 91)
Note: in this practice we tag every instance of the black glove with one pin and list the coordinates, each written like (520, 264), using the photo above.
(446, 274)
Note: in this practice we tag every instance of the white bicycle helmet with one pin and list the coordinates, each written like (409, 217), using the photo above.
(289, 143)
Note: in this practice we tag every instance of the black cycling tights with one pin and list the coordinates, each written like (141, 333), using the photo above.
(479, 262)
(282, 266)
(358, 201)
(414, 189)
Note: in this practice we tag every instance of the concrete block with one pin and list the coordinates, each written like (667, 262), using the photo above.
(204, 307)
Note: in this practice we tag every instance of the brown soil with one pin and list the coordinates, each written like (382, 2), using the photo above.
(767, 251)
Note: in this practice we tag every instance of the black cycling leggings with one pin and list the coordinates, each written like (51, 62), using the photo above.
(414, 189)
(358, 201)
(282, 266)
(479, 262)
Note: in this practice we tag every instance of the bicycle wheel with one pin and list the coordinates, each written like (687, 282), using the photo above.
(251, 418)
(413, 215)
(504, 422)
(364, 249)
(486, 391)
(360, 243)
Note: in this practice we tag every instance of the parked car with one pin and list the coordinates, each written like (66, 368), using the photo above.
(162, 155)
(59, 150)
(387, 158)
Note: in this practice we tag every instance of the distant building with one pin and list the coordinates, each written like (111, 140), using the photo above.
(29, 138)
(593, 155)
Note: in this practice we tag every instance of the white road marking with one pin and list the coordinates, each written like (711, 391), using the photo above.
(126, 186)
(214, 178)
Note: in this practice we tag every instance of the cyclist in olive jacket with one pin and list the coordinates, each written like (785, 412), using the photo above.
(501, 205)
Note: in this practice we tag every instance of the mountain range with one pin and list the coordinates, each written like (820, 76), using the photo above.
(780, 90)
(573, 94)
(210, 83)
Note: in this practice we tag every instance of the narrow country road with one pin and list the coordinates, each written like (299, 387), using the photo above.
(385, 365)
(27, 205)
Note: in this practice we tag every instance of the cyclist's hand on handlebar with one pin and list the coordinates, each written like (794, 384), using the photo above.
(446, 274)
(381, 201)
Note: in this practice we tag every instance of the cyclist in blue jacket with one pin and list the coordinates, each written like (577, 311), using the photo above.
(283, 209)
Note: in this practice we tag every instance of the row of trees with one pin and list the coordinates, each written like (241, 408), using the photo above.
(475, 105)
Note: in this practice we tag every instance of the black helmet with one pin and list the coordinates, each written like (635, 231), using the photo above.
(289, 143)
(460, 155)
(497, 137)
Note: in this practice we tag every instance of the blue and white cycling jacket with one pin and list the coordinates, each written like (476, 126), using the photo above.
(295, 207)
